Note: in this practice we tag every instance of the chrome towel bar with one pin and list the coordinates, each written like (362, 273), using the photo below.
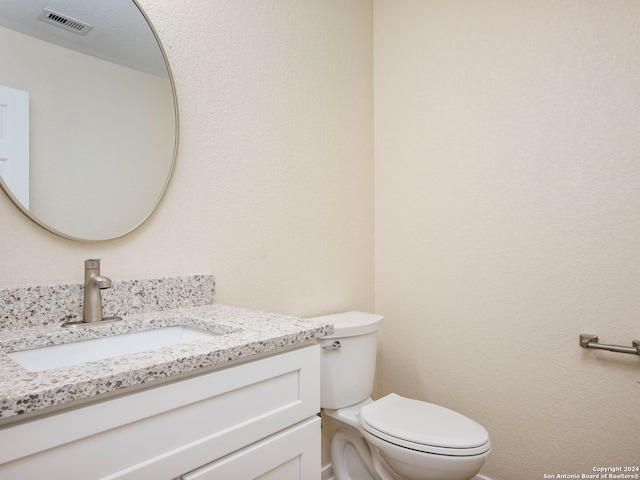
(591, 341)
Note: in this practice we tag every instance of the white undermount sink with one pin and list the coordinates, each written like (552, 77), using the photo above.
(75, 353)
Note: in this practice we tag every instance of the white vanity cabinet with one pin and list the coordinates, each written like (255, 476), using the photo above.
(252, 420)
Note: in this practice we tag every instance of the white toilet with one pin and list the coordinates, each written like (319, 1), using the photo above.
(393, 438)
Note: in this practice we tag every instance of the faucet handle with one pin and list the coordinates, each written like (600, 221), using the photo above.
(102, 282)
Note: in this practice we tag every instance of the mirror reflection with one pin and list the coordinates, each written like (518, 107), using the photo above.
(87, 115)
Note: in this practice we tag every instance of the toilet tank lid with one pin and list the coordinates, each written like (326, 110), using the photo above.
(349, 324)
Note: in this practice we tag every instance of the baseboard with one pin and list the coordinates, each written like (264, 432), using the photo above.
(327, 473)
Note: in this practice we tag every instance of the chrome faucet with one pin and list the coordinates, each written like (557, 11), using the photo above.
(94, 283)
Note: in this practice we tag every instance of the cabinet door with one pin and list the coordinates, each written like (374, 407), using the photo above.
(293, 454)
(163, 432)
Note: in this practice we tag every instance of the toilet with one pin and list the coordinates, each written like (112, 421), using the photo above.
(392, 438)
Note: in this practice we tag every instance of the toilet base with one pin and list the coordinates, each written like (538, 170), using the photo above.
(358, 457)
(351, 457)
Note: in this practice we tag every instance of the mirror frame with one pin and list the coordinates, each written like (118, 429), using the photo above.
(49, 228)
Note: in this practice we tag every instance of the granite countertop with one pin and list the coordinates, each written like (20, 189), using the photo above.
(242, 333)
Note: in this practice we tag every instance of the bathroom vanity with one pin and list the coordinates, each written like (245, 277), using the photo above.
(241, 403)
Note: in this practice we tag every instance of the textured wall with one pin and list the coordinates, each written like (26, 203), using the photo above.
(273, 186)
(507, 221)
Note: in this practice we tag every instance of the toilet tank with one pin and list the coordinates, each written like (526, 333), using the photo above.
(348, 363)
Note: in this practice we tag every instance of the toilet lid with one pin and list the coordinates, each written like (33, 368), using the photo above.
(421, 425)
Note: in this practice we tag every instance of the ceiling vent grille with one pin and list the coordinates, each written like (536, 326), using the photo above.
(64, 21)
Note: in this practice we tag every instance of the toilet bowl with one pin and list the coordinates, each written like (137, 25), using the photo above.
(392, 438)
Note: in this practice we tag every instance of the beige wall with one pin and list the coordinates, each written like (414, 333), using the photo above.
(273, 187)
(508, 219)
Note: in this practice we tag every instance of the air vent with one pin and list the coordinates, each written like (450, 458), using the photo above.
(64, 21)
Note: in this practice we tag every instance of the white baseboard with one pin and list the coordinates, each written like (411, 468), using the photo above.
(327, 473)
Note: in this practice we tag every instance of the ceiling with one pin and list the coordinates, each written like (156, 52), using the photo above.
(120, 33)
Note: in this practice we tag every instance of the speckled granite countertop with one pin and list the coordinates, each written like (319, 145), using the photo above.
(242, 334)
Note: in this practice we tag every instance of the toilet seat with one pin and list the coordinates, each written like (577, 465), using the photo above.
(424, 427)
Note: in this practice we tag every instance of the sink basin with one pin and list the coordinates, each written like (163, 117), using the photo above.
(75, 353)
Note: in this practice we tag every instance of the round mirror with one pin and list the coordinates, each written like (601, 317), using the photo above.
(88, 115)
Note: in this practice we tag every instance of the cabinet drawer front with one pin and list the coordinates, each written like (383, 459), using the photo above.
(165, 431)
(290, 455)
